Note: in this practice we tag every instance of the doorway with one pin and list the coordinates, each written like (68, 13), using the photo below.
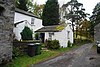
(42, 36)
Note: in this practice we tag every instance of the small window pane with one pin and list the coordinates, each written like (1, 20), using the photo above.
(32, 20)
(68, 34)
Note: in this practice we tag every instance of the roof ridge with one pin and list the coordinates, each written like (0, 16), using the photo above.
(26, 13)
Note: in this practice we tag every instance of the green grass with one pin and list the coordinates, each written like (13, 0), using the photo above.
(78, 37)
(26, 61)
(62, 50)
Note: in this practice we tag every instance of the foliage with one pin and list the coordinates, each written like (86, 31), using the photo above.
(50, 15)
(75, 12)
(62, 12)
(37, 36)
(26, 34)
(45, 55)
(17, 52)
(26, 61)
(84, 28)
(69, 44)
(53, 44)
(37, 10)
(91, 29)
(24, 4)
(95, 18)
(30, 5)
(82, 41)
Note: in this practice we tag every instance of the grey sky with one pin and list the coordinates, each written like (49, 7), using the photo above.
(87, 4)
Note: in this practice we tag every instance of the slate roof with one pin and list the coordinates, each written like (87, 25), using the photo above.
(53, 28)
(48, 29)
(25, 13)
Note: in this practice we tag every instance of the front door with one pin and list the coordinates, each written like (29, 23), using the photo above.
(42, 36)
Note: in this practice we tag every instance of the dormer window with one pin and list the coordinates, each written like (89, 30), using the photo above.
(1, 10)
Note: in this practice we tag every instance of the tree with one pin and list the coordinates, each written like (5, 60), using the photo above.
(37, 10)
(50, 15)
(26, 34)
(24, 4)
(95, 18)
(85, 28)
(30, 5)
(91, 29)
(75, 13)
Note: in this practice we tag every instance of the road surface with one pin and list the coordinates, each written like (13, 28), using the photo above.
(85, 56)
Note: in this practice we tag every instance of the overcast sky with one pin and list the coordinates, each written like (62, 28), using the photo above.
(87, 4)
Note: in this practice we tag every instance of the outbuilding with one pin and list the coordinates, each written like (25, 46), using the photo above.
(63, 33)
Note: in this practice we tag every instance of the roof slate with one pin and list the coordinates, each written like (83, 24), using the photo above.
(25, 12)
(48, 29)
(53, 28)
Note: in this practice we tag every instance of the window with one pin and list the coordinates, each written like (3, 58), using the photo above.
(32, 20)
(50, 36)
(68, 34)
(1, 10)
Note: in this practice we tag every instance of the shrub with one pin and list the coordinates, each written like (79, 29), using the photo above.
(26, 34)
(73, 44)
(37, 36)
(82, 41)
(69, 44)
(53, 44)
(17, 52)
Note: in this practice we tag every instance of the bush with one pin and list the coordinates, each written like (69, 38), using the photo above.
(82, 41)
(69, 44)
(73, 44)
(17, 52)
(26, 34)
(37, 36)
(53, 44)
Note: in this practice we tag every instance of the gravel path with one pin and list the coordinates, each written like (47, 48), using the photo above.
(75, 58)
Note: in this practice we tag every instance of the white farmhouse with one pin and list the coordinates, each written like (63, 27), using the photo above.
(22, 19)
(62, 32)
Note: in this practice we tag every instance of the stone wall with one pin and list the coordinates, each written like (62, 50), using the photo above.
(6, 30)
(97, 32)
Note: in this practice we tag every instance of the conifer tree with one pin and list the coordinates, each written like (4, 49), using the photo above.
(50, 14)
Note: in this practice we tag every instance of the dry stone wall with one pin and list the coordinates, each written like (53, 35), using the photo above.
(97, 32)
(6, 30)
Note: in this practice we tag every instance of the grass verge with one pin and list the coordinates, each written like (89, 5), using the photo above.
(26, 61)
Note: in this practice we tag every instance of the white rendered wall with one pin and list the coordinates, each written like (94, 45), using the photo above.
(18, 29)
(37, 24)
(21, 17)
(61, 36)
